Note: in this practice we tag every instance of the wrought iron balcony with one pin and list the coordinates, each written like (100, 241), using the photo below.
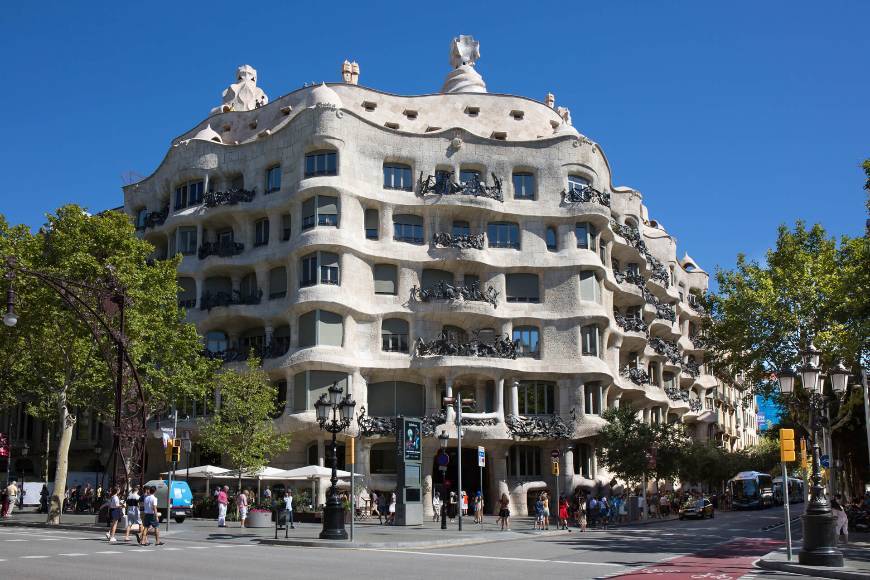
(154, 219)
(635, 278)
(372, 426)
(585, 194)
(446, 186)
(468, 292)
(213, 300)
(663, 311)
(461, 241)
(659, 274)
(692, 368)
(229, 197)
(629, 323)
(674, 393)
(630, 234)
(224, 250)
(541, 427)
(695, 405)
(635, 375)
(667, 349)
(447, 345)
(237, 354)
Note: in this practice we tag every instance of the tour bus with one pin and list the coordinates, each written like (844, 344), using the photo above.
(795, 490)
(751, 490)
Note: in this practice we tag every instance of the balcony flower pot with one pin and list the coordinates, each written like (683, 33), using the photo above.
(258, 518)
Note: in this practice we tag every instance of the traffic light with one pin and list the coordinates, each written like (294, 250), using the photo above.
(176, 450)
(786, 445)
(555, 467)
(804, 460)
(170, 445)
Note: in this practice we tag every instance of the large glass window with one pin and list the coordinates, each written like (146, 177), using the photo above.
(273, 179)
(577, 183)
(277, 282)
(393, 398)
(528, 341)
(308, 272)
(522, 288)
(397, 177)
(261, 232)
(187, 241)
(524, 461)
(188, 194)
(408, 228)
(524, 186)
(309, 385)
(327, 272)
(216, 341)
(321, 163)
(589, 339)
(321, 210)
(593, 398)
(586, 235)
(186, 293)
(468, 175)
(432, 277)
(320, 327)
(329, 268)
(285, 227)
(394, 335)
(536, 397)
(590, 287)
(503, 235)
(385, 278)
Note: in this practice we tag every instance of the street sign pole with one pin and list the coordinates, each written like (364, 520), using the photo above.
(481, 462)
(787, 510)
(459, 452)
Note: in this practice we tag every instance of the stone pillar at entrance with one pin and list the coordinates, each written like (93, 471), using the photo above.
(499, 399)
(515, 397)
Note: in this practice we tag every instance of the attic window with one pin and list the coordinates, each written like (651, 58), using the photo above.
(389, 125)
(216, 139)
(689, 267)
(500, 135)
(369, 106)
(226, 127)
(472, 111)
(410, 113)
(555, 124)
(517, 115)
(286, 110)
(431, 129)
(253, 124)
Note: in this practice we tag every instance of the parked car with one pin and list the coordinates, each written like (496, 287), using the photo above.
(697, 508)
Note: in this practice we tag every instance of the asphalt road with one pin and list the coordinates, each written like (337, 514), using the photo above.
(719, 549)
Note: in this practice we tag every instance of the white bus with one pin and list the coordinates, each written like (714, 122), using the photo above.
(795, 490)
(751, 490)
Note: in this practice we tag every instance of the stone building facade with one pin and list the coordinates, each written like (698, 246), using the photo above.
(411, 247)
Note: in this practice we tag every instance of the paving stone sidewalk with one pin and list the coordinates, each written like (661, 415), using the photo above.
(856, 556)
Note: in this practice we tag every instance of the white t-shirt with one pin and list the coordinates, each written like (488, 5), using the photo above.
(288, 503)
(114, 502)
(150, 504)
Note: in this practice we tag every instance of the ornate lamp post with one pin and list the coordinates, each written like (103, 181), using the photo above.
(442, 440)
(336, 422)
(819, 524)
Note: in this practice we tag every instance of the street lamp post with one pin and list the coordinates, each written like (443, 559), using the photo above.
(335, 422)
(458, 401)
(442, 440)
(819, 524)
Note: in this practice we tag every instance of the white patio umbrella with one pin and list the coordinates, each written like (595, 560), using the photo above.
(206, 472)
(313, 473)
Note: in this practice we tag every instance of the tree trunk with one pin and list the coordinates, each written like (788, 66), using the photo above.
(66, 422)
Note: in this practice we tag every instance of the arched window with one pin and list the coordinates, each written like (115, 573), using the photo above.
(524, 461)
(141, 216)
(577, 183)
(408, 228)
(551, 239)
(524, 186)
(323, 162)
(590, 338)
(586, 236)
(455, 334)
(398, 176)
(394, 335)
(188, 194)
(186, 293)
(320, 210)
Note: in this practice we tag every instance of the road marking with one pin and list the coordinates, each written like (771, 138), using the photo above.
(33, 557)
(198, 547)
(72, 554)
(109, 552)
(51, 539)
(476, 556)
(166, 550)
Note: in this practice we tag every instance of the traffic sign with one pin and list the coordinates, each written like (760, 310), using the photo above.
(443, 459)
(825, 460)
(555, 454)
(481, 456)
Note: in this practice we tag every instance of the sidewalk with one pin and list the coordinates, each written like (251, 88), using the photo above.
(856, 560)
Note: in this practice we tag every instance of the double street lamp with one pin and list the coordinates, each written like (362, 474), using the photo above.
(335, 422)
(819, 524)
(443, 438)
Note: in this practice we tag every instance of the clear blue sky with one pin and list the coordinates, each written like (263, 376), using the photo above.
(730, 117)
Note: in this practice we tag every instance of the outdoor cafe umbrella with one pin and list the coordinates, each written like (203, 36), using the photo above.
(206, 472)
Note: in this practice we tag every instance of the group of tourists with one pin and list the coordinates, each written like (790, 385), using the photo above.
(141, 512)
(455, 505)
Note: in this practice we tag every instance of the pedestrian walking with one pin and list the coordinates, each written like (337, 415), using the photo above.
(464, 503)
(603, 512)
(391, 519)
(842, 524)
(478, 508)
(242, 506)
(504, 512)
(539, 512)
(436, 506)
(223, 500)
(115, 514)
(12, 495)
(581, 513)
(545, 497)
(592, 510)
(563, 514)
(133, 517)
(43, 499)
(150, 521)
(452, 507)
(288, 508)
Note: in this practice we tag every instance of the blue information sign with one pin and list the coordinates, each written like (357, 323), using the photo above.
(825, 461)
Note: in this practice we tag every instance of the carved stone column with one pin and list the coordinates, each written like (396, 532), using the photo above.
(515, 397)
(499, 398)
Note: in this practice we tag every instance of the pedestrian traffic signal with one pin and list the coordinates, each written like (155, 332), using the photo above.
(555, 468)
(786, 445)
(176, 450)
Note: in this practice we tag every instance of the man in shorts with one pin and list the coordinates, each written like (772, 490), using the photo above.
(149, 517)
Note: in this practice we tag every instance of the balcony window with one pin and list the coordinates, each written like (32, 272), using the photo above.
(394, 335)
(398, 177)
(382, 459)
(216, 342)
(583, 464)
(285, 227)
(248, 288)
(433, 277)
(590, 287)
(528, 341)
(189, 194)
(552, 240)
(321, 210)
(503, 235)
(309, 385)
(394, 398)
(141, 215)
(320, 328)
(468, 175)
(461, 228)
(385, 279)
(536, 397)
(589, 340)
(372, 217)
(408, 228)
(261, 232)
(329, 268)
(593, 398)
(522, 288)
(280, 399)
(187, 241)
(442, 180)
(277, 282)
(320, 163)
(308, 272)
(577, 183)
(524, 461)
(524, 186)
(454, 334)
(225, 237)
(586, 235)
(273, 179)
(186, 293)
(327, 272)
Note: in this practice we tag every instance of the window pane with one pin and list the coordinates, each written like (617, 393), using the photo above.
(522, 288)
(582, 232)
(385, 278)
(277, 282)
(308, 213)
(577, 183)
(307, 329)
(330, 328)
(589, 287)
(461, 228)
(371, 224)
(524, 186)
(308, 272)
(552, 244)
(432, 277)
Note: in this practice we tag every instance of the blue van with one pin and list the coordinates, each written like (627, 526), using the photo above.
(182, 499)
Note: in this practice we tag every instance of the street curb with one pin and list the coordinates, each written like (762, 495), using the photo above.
(43, 525)
(812, 571)
(423, 544)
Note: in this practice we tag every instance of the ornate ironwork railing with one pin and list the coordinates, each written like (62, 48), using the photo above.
(371, 426)
(229, 197)
(467, 292)
(223, 250)
(154, 219)
(211, 300)
(447, 345)
(585, 194)
(629, 323)
(695, 405)
(675, 393)
(474, 186)
(696, 304)
(237, 354)
(699, 341)
(663, 311)
(636, 375)
(541, 427)
(461, 241)
(668, 349)
(633, 236)
(692, 368)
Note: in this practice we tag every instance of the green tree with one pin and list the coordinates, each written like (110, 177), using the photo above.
(242, 429)
(54, 365)
(670, 441)
(626, 441)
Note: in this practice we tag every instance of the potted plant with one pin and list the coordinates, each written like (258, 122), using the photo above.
(260, 515)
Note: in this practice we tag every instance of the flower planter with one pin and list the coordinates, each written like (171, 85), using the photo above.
(258, 519)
